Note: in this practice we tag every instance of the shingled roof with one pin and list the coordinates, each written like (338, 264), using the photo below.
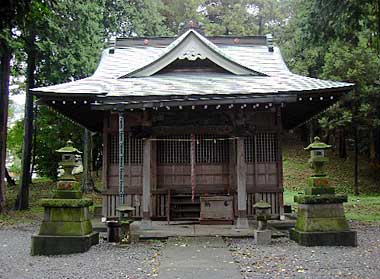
(136, 73)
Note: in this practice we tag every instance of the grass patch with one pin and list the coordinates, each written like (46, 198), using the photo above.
(39, 189)
(340, 171)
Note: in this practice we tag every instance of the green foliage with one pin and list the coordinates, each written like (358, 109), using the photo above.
(14, 141)
(134, 18)
(53, 132)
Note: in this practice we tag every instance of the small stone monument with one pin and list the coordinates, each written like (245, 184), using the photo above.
(66, 227)
(118, 229)
(262, 234)
(321, 220)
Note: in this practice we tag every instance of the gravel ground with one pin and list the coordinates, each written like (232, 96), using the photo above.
(101, 261)
(285, 259)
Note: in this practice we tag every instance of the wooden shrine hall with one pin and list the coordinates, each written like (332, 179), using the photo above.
(192, 125)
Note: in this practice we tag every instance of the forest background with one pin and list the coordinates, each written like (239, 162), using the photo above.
(45, 42)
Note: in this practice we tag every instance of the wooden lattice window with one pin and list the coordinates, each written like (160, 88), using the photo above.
(173, 150)
(211, 149)
(249, 149)
(133, 150)
(208, 149)
(263, 147)
(266, 147)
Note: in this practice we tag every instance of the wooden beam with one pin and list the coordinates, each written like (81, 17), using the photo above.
(274, 98)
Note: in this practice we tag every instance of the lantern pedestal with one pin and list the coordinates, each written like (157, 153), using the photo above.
(320, 219)
(321, 222)
(66, 228)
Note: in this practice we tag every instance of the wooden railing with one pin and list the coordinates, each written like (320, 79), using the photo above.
(159, 204)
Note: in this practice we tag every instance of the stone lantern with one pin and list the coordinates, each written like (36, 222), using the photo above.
(318, 158)
(66, 227)
(320, 218)
(68, 161)
(67, 186)
(318, 183)
(262, 235)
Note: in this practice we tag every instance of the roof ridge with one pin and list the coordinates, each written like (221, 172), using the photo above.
(192, 50)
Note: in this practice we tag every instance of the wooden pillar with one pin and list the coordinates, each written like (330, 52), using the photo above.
(241, 176)
(105, 165)
(279, 163)
(121, 157)
(146, 184)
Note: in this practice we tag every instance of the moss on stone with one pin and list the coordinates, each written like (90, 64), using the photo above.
(67, 194)
(66, 202)
(75, 214)
(319, 190)
(322, 224)
(320, 199)
(65, 228)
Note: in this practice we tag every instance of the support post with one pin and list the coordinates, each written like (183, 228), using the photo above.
(241, 175)
(146, 223)
(121, 156)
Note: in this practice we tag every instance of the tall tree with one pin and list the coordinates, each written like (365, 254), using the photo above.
(12, 13)
(59, 45)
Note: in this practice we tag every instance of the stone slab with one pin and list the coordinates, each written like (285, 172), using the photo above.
(343, 238)
(200, 257)
(61, 245)
(66, 202)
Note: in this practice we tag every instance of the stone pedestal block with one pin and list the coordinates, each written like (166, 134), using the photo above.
(262, 237)
(61, 245)
(321, 222)
(343, 238)
(66, 228)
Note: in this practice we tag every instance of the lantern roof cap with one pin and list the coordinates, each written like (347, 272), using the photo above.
(262, 205)
(125, 208)
(317, 144)
(68, 149)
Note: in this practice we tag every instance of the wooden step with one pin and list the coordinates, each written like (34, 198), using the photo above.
(175, 210)
(185, 203)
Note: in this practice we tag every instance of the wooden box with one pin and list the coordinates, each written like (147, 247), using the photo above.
(217, 210)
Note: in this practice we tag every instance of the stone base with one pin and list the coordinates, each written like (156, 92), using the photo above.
(60, 245)
(262, 237)
(146, 224)
(242, 223)
(343, 238)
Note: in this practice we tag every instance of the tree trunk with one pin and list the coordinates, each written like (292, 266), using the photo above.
(356, 171)
(34, 140)
(5, 64)
(9, 178)
(22, 201)
(260, 25)
(342, 143)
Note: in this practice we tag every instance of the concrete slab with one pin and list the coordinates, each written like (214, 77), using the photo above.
(200, 257)
(161, 229)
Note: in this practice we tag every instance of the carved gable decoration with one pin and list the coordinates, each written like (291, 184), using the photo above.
(192, 46)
